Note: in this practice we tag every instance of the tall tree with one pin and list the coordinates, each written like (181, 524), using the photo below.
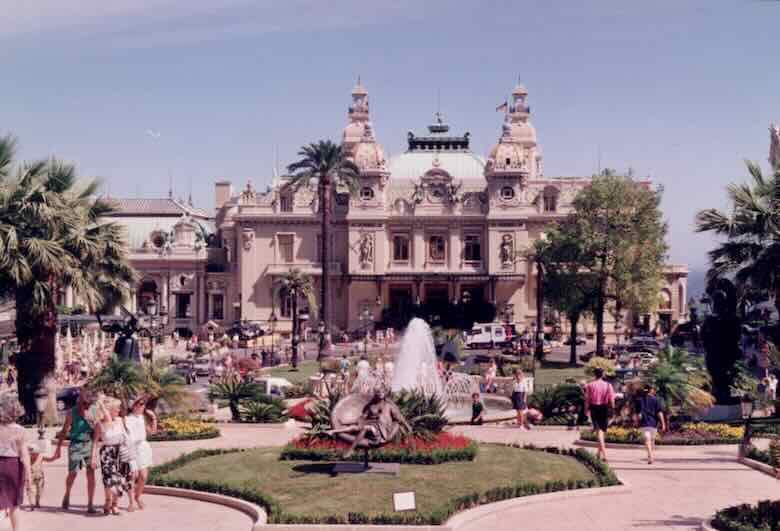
(295, 285)
(751, 250)
(53, 234)
(328, 164)
(566, 287)
(618, 225)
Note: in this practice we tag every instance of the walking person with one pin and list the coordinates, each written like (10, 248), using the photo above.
(139, 421)
(519, 398)
(599, 400)
(14, 458)
(80, 436)
(649, 415)
(116, 458)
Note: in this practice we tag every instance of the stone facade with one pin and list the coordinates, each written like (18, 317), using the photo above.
(429, 224)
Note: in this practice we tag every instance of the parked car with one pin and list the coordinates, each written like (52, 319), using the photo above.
(186, 369)
(202, 367)
(272, 385)
(647, 342)
(578, 341)
(683, 333)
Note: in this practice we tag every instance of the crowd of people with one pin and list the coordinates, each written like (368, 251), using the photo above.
(103, 433)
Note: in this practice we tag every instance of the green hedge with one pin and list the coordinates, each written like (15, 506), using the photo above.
(162, 436)
(276, 515)
(764, 516)
(589, 435)
(384, 455)
(762, 456)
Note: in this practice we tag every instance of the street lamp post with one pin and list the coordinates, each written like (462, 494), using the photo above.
(746, 405)
(272, 321)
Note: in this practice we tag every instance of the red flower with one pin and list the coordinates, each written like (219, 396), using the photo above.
(440, 441)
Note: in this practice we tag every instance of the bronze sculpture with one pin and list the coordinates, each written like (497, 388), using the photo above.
(367, 421)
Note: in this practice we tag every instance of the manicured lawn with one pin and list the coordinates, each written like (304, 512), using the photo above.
(305, 369)
(553, 374)
(306, 488)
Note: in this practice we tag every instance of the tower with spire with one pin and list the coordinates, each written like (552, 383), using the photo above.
(360, 145)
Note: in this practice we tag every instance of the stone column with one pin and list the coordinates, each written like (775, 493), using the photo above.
(164, 298)
(69, 297)
(455, 248)
(419, 247)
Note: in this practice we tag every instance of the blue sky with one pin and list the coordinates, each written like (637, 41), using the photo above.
(679, 90)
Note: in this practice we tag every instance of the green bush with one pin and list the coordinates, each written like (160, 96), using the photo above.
(764, 516)
(262, 411)
(563, 400)
(425, 414)
(384, 455)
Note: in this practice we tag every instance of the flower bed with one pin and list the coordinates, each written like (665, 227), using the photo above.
(175, 428)
(280, 513)
(688, 434)
(442, 448)
(764, 516)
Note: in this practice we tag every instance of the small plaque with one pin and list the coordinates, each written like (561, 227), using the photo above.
(404, 501)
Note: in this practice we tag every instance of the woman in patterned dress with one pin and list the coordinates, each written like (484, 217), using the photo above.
(116, 458)
(14, 458)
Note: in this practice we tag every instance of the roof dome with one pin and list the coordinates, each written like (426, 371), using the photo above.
(369, 156)
(508, 155)
(353, 132)
(523, 132)
(461, 165)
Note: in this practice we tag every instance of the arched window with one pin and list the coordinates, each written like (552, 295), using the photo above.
(666, 300)
(681, 299)
(550, 199)
(436, 248)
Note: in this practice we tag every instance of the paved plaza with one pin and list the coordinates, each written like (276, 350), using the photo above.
(684, 486)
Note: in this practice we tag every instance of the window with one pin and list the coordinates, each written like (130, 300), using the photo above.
(400, 248)
(183, 307)
(366, 193)
(507, 193)
(286, 309)
(436, 248)
(286, 203)
(472, 250)
(286, 248)
(217, 306)
(550, 197)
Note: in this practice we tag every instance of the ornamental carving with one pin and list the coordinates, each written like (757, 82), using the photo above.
(248, 194)
(366, 249)
(506, 251)
(247, 238)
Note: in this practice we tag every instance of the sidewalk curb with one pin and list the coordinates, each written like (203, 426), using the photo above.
(761, 467)
(254, 512)
(661, 447)
(469, 516)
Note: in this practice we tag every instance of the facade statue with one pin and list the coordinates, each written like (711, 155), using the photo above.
(367, 423)
(774, 146)
(366, 249)
(721, 334)
(506, 249)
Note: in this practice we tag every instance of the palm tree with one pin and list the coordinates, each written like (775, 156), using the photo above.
(295, 285)
(751, 251)
(53, 234)
(162, 384)
(328, 164)
(120, 379)
(680, 380)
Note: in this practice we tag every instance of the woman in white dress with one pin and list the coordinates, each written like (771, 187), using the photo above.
(137, 427)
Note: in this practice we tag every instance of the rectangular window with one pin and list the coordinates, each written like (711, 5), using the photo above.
(437, 249)
(286, 309)
(217, 306)
(183, 307)
(286, 242)
(472, 250)
(286, 203)
(400, 248)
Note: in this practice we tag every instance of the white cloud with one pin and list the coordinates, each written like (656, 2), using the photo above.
(144, 23)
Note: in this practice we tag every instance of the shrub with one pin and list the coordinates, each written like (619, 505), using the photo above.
(764, 516)
(687, 434)
(262, 411)
(299, 390)
(425, 414)
(603, 363)
(177, 428)
(562, 400)
(233, 389)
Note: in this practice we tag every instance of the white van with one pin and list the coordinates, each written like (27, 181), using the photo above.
(486, 335)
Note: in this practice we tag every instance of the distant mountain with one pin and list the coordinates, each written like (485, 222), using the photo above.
(697, 283)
